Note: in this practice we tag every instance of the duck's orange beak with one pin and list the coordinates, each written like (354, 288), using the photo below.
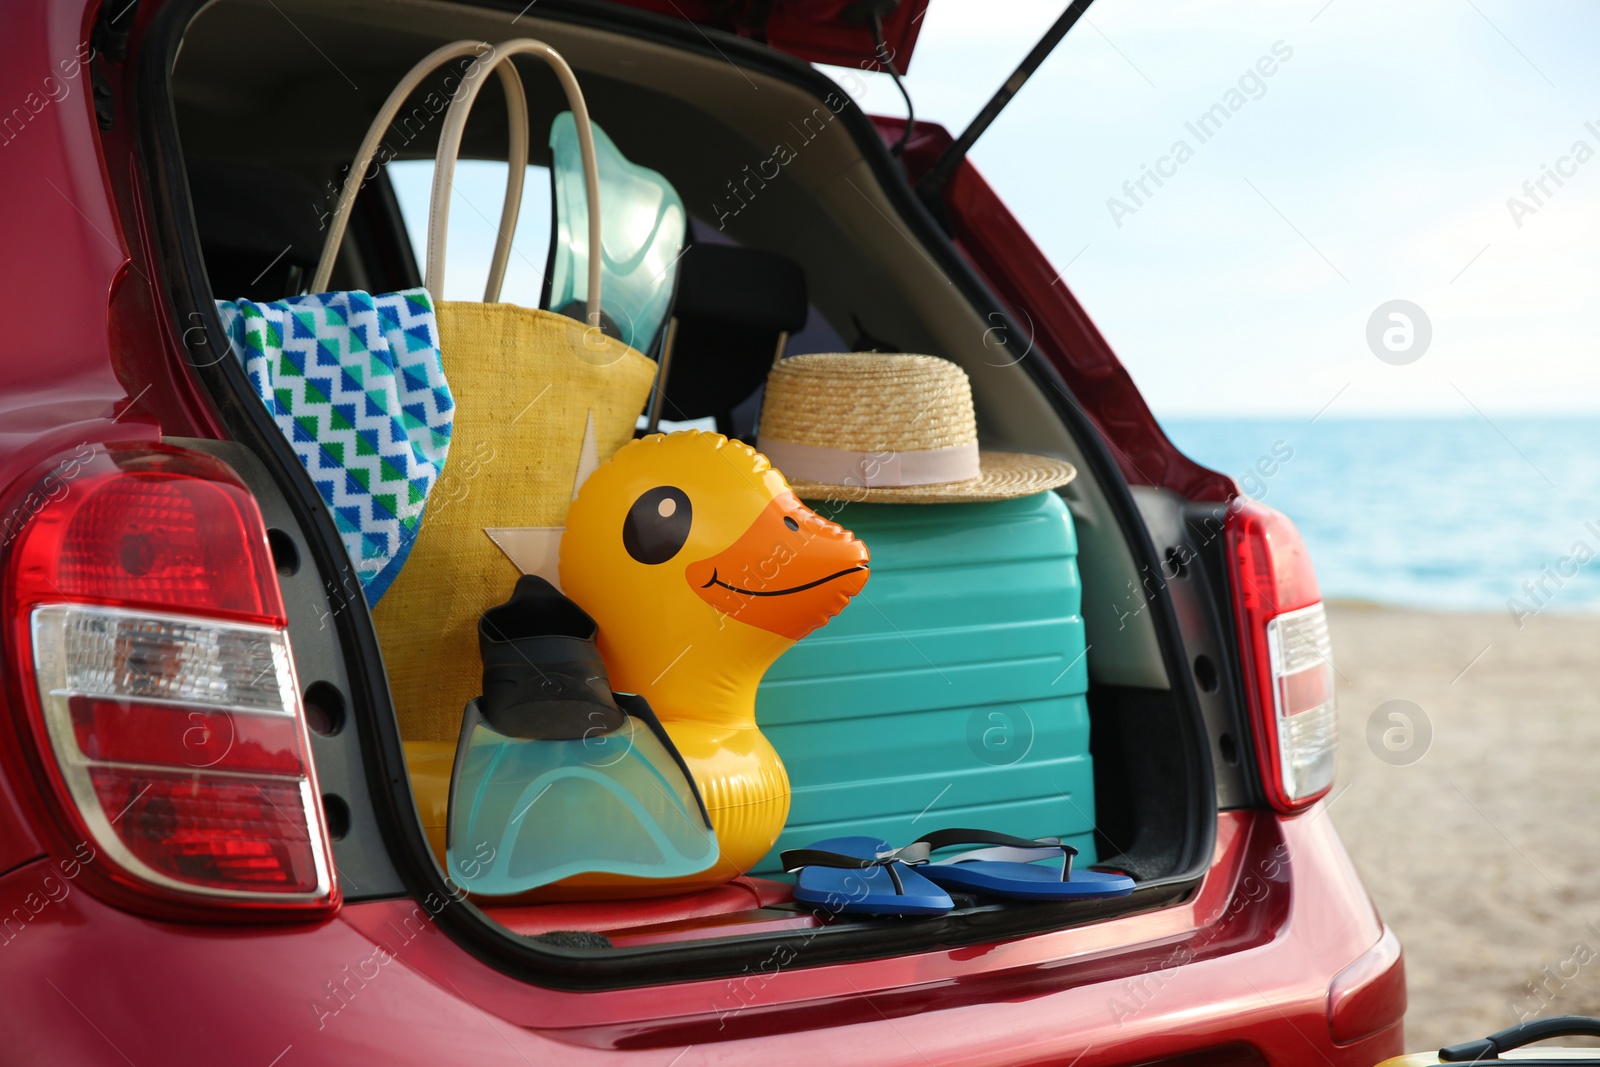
(789, 573)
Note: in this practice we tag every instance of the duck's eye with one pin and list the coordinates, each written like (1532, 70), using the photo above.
(657, 525)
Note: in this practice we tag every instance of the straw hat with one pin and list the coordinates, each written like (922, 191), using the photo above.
(888, 429)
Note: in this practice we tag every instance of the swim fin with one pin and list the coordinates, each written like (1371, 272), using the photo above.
(557, 776)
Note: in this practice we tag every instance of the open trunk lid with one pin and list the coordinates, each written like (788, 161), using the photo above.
(818, 31)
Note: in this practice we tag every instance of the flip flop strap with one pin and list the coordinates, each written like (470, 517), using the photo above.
(795, 858)
(1008, 849)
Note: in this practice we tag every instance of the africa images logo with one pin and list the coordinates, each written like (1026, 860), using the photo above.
(1252, 85)
(1566, 166)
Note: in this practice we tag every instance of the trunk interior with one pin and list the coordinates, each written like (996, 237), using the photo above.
(271, 98)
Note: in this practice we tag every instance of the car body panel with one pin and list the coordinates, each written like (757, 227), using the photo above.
(59, 229)
(1239, 962)
(818, 31)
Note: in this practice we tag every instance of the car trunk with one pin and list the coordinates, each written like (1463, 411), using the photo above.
(246, 131)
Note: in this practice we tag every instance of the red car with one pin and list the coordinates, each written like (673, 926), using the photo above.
(157, 536)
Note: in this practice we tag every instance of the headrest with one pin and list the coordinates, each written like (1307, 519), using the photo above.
(731, 306)
(746, 286)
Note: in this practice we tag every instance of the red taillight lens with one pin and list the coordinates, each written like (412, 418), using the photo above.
(170, 735)
(149, 642)
(240, 834)
(1288, 663)
(157, 536)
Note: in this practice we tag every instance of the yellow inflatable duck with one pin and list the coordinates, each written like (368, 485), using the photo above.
(701, 567)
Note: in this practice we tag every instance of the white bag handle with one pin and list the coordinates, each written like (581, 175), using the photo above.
(450, 144)
(517, 113)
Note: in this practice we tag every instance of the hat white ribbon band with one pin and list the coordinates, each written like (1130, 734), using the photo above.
(886, 467)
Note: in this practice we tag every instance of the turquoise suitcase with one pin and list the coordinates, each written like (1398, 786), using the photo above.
(950, 692)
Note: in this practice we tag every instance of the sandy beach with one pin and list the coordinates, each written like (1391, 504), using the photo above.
(1480, 845)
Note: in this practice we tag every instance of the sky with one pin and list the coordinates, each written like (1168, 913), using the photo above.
(477, 194)
(1374, 164)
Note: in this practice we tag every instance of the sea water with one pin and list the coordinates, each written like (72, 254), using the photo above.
(1463, 514)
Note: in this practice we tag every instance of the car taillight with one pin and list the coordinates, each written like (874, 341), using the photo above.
(1288, 664)
(149, 646)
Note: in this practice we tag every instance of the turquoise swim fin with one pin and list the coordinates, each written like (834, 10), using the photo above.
(556, 776)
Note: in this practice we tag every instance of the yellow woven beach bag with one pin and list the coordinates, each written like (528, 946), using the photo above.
(538, 395)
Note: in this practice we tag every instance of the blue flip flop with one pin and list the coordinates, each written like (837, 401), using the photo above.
(1010, 868)
(862, 876)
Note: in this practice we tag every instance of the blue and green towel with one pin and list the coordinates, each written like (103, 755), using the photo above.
(355, 384)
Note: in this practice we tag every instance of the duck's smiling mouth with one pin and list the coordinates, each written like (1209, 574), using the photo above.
(787, 542)
(779, 592)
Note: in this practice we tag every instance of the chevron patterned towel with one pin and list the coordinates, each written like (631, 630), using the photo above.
(355, 385)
